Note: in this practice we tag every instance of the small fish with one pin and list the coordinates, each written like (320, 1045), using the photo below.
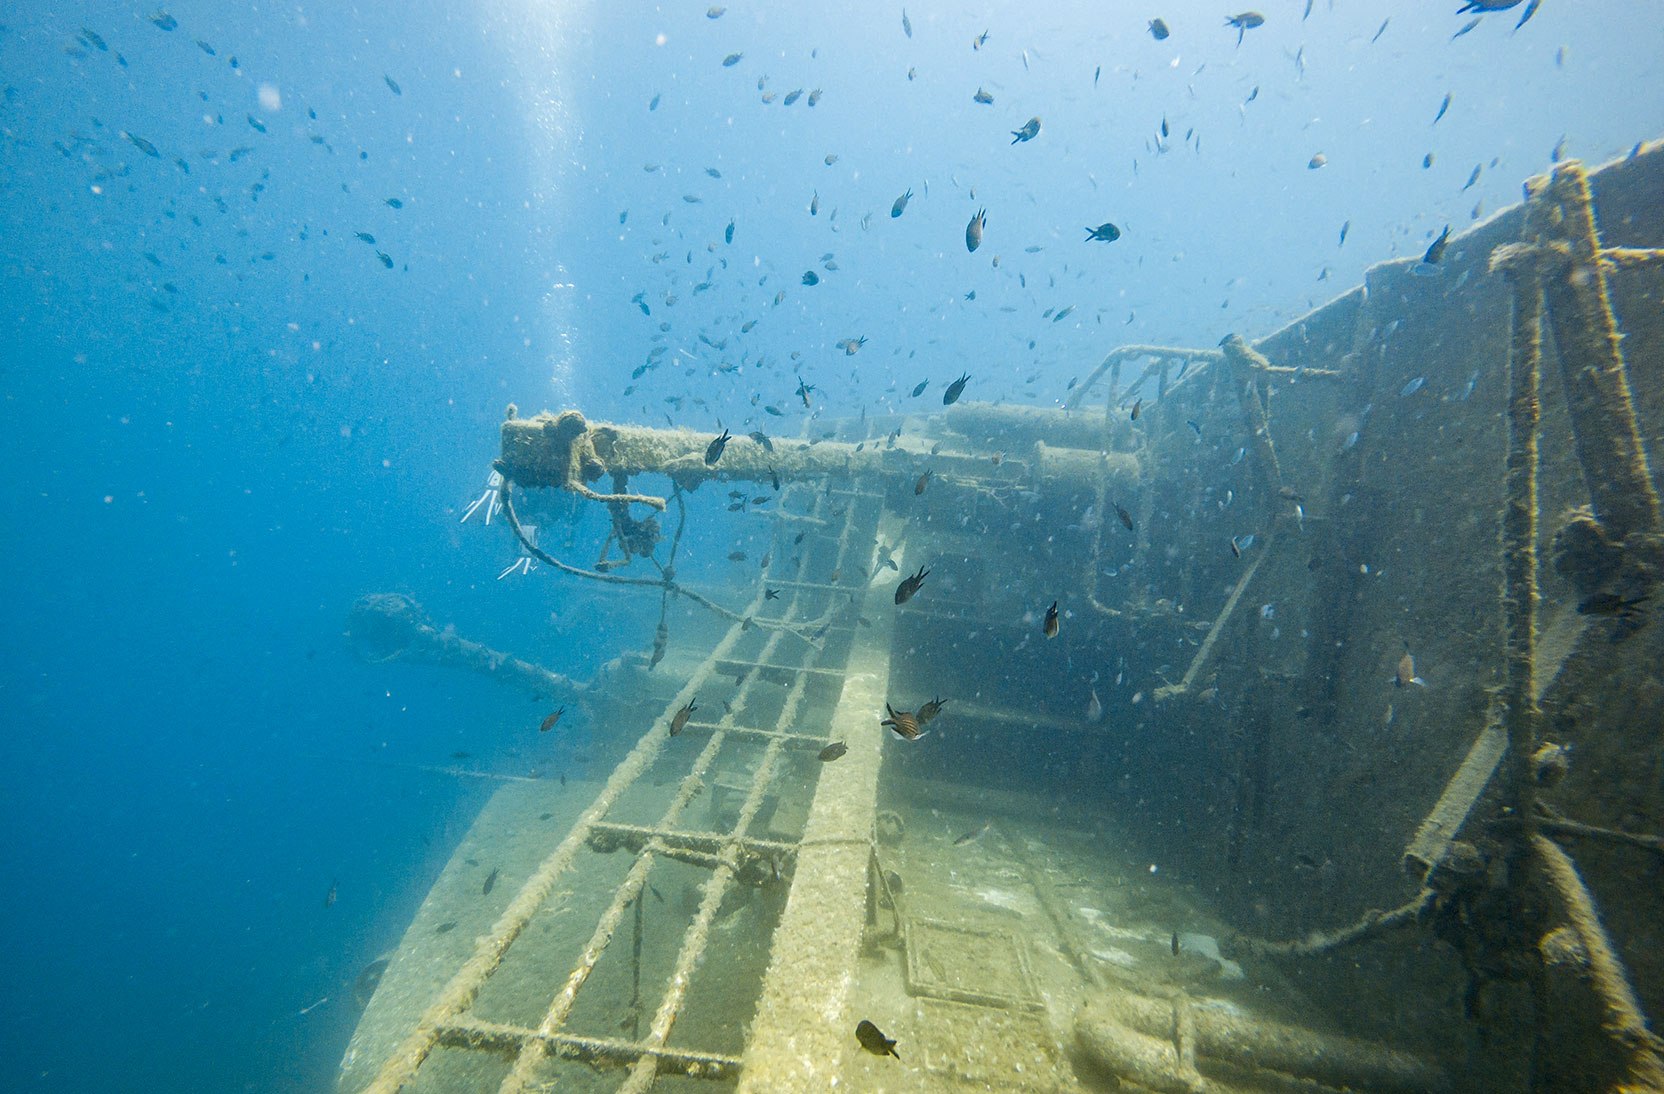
(680, 721)
(713, 451)
(386, 259)
(1175, 942)
(654, 104)
(924, 481)
(1136, 407)
(1193, 425)
(1444, 106)
(903, 724)
(446, 927)
(1406, 674)
(833, 751)
(803, 391)
(1316, 161)
(928, 712)
(910, 586)
(900, 205)
(1126, 517)
(205, 47)
(762, 438)
(736, 556)
(919, 389)
(715, 12)
(490, 882)
(392, 85)
(810, 277)
(1244, 22)
(973, 230)
(1469, 25)
(955, 389)
(771, 594)
(1158, 30)
(1382, 31)
(1530, 10)
(732, 59)
(163, 20)
(906, 24)
(1050, 627)
(1095, 708)
(1611, 604)
(774, 476)
(973, 834)
(1028, 132)
(980, 40)
(814, 96)
(393, 202)
(1063, 314)
(1473, 178)
(366, 237)
(1435, 253)
(874, 1041)
(334, 891)
(1344, 228)
(1559, 152)
(143, 145)
(551, 721)
(1103, 233)
(1427, 161)
(792, 97)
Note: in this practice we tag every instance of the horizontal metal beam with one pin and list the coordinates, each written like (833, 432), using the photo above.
(790, 740)
(608, 836)
(595, 1051)
(566, 451)
(728, 667)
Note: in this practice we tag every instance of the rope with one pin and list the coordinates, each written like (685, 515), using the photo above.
(505, 492)
(1370, 924)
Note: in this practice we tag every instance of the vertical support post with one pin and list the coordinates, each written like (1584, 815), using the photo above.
(1253, 780)
(1519, 536)
(1561, 217)
(1240, 358)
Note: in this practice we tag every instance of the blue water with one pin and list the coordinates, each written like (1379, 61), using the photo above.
(224, 419)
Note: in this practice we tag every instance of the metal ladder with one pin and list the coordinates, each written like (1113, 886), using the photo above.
(784, 658)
